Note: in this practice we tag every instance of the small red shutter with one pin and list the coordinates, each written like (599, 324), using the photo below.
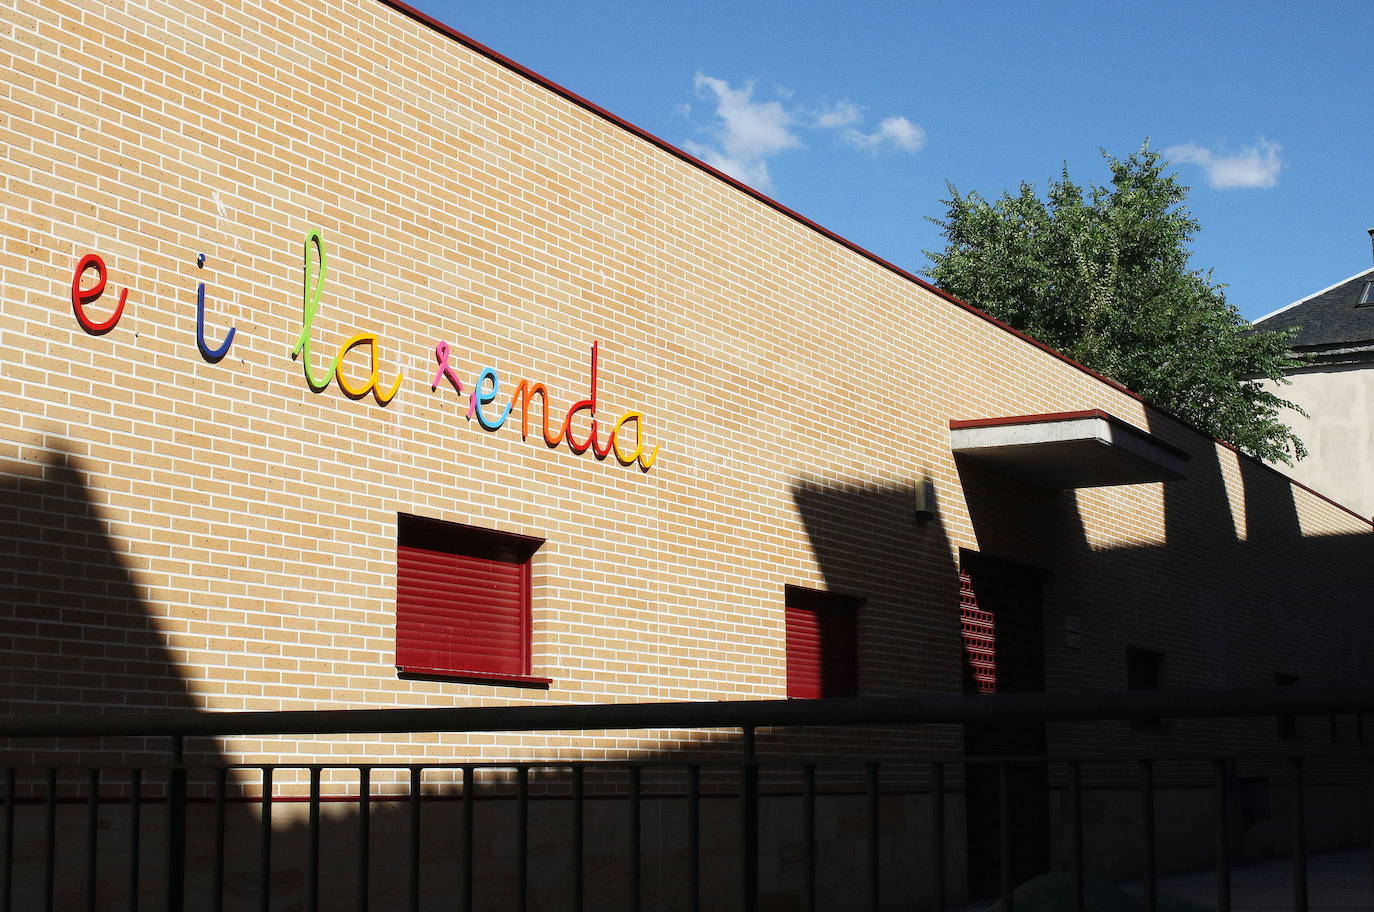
(457, 613)
(803, 653)
(822, 645)
(980, 640)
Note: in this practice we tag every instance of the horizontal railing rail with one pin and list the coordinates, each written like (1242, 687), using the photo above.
(852, 711)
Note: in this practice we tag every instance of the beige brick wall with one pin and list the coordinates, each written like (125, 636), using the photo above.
(240, 528)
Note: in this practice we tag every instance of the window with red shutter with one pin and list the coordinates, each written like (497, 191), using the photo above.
(822, 644)
(462, 601)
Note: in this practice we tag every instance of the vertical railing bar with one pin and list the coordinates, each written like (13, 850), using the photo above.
(579, 836)
(1147, 833)
(135, 831)
(217, 888)
(1223, 836)
(176, 827)
(364, 838)
(469, 800)
(7, 870)
(522, 834)
(413, 863)
(92, 833)
(636, 843)
(937, 824)
(1369, 804)
(50, 840)
(1004, 834)
(312, 859)
(694, 838)
(808, 897)
(874, 858)
(1299, 835)
(1076, 832)
(265, 842)
(749, 820)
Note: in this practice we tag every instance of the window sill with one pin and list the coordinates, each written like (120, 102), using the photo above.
(411, 673)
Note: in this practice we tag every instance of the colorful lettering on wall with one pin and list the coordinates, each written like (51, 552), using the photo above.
(83, 296)
(486, 390)
(311, 301)
(485, 397)
(445, 371)
(213, 355)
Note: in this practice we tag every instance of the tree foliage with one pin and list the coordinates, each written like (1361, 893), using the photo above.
(1101, 274)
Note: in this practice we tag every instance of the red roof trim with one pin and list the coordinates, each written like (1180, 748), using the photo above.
(454, 34)
(955, 425)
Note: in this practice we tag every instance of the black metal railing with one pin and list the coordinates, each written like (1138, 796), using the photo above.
(392, 804)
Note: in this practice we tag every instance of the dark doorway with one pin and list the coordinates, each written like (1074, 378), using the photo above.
(1011, 594)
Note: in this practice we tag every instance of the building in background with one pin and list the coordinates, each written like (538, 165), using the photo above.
(1335, 331)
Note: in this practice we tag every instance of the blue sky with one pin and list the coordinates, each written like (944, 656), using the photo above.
(856, 114)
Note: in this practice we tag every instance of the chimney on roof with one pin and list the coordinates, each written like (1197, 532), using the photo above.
(1371, 239)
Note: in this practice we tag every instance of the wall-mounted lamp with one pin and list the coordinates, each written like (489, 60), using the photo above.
(925, 500)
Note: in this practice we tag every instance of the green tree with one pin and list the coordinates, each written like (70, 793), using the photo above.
(1101, 274)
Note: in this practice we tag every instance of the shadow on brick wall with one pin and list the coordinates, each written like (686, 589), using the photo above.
(79, 638)
(74, 630)
(1232, 591)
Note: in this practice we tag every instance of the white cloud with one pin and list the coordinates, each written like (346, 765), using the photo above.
(749, 132)
(894, 132)
(1254, 166)
(840, 114)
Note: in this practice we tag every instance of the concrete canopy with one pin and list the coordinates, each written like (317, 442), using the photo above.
(1086, 449)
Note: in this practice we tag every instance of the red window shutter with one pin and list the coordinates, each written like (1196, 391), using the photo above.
(822, 645)
(980, 640)
(458, 613)
(803, 653)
